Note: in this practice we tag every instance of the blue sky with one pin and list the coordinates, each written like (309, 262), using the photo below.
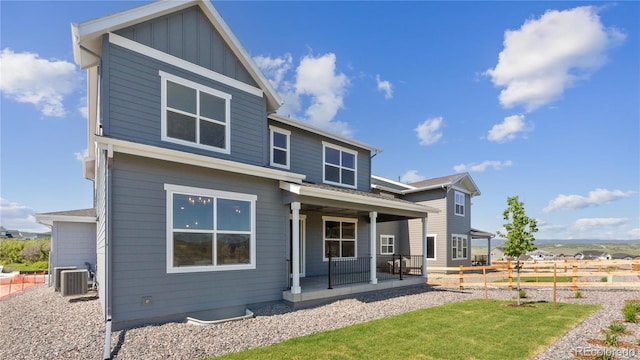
(535, 99)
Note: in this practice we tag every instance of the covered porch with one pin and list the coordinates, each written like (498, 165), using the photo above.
(342, 240)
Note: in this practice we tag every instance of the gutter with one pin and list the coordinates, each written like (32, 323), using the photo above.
(107, 254)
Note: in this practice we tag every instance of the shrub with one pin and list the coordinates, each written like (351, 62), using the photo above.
(578, 295)
(40, 265)
(605, 355)
(617, 327)
(10, 250)
(522, 294)
(630, 313)
(611, 340)
(604, 279)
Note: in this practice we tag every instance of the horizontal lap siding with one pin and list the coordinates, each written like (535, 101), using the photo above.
(139, 243)
(436, 225)
(76, 244)
(460, 225)
(134, 113)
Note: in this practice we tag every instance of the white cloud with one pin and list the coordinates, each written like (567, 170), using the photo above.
(634, 233)
(429, 131)
(385, 86)
(509, 129)
(596, 197)
(14, 216)
(495, 164)
(316, 77)
(587, 224)
(315, 83)
(549, 54)
(411, 176)
(27, 78)
(81, 154)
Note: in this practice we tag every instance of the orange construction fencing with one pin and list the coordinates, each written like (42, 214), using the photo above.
(13, 283)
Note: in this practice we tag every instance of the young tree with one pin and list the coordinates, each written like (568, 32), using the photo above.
(519, 234)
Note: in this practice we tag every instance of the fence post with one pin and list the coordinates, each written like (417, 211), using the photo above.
(510, 274)
(484, 275)
(330, 270)
(555, 266)
(461, 278)
(575, 276)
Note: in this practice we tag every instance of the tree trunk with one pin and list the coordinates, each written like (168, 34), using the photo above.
(518, 268)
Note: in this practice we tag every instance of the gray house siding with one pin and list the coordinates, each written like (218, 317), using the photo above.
(315, 265)
(132, 85)
(139, 244)
(307, 154)
(74, 244)
(189, 35)
(460, 225)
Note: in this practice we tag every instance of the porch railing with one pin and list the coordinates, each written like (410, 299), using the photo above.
(349, 271)
(388, 267)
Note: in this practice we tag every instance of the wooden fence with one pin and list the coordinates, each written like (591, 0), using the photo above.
(574, 274)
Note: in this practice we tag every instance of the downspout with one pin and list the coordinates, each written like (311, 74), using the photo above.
(107, 254)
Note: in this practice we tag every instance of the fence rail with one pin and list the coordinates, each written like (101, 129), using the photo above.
(572, 274)
(16, 283)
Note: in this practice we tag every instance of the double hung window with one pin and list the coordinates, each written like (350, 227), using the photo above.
(340, 237)
(387, 243)
(194, 114)
(280, 147)
(459, 247)
(460, 201)
(340, 166)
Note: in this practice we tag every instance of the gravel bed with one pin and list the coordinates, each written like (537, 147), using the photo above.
(40, 324)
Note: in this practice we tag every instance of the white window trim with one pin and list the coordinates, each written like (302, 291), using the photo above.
(273, 130)
(435, 247)
(455, 203)
(463, 237)
(324, 239)
(188, 190)
(393, 246)
(178, 80)
(324, 163)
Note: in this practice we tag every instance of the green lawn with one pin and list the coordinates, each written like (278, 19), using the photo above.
(467, 330)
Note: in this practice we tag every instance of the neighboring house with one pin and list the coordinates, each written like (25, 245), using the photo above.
(622, 256)
(73, 238)
(592, 255)
(449, 231)
(497, 253)
(206, 200)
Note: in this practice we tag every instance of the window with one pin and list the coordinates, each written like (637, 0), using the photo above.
(339, 166)
(460, 200)
(431, 247)
(339, 237)
(458, 247)
(195, 115)
(279, 147)
(209, 230)
(387, 244)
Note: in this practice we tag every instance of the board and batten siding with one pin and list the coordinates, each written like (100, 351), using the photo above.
(132, 84)
(189, 35)
(139, 244)
(460, 225)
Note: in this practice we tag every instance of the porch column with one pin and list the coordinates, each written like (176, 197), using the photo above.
(424, 247)
(295, 248)
(489, 251)
(372, 240)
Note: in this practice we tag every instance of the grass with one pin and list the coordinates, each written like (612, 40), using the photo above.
(532, 279)
(472, 329)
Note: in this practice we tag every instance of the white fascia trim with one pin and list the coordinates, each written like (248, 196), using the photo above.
(301, 125)
(50, 219)
(353, 198)
(380, 178)
(155, 152)
(253, 68)
(176, 61)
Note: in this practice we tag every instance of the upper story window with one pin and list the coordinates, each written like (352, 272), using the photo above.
(460, 200)
(459, 247)
(194, 114)
(280, 147)
(209, 230)
(339, 166)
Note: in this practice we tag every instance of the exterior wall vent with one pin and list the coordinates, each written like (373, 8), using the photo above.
(56, 275)
(74, 282)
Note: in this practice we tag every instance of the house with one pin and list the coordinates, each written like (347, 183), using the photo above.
(622, 256)
(592, 255)
(205, 199)
(497, 253)
(450, 232)
(73, 238)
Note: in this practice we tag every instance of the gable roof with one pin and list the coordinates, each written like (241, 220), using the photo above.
(461, 181)
(87, 37)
